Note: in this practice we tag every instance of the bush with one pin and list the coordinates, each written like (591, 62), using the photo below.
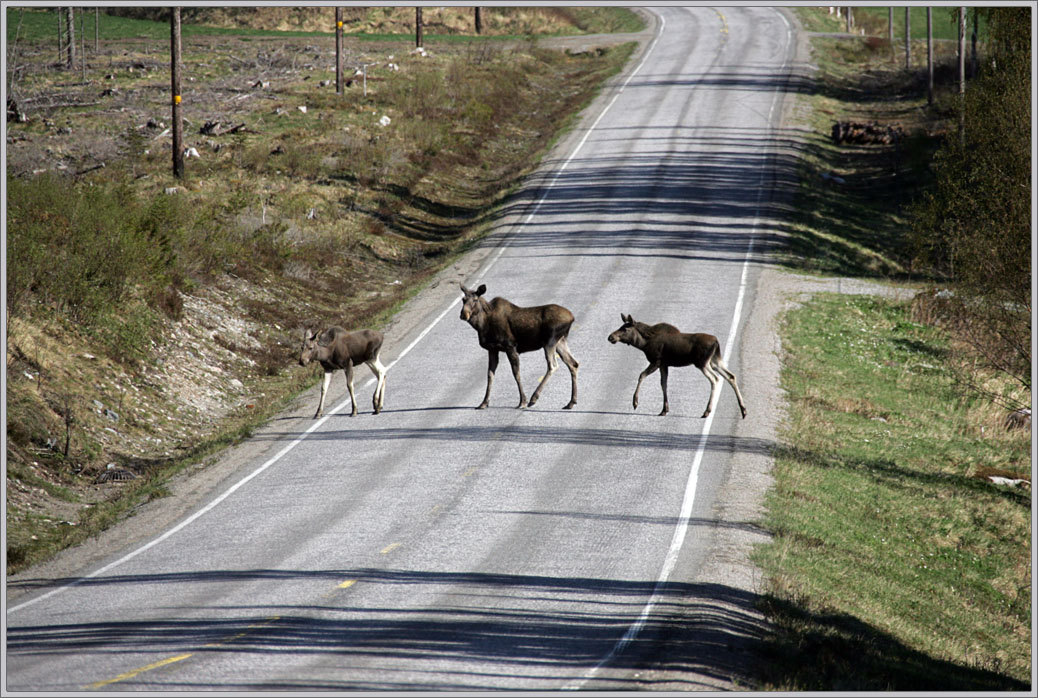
(974, 225)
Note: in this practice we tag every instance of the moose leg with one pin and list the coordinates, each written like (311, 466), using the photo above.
(324, 390)
(649, 370)
(513, 358)
(491, 367)
(663, 384)
(715, 388)
(563, 350)
(380, 386)
(730, 377)
(553, 363)
(349, 386)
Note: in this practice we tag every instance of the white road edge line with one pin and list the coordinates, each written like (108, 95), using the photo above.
(684, 518)
(313, 427)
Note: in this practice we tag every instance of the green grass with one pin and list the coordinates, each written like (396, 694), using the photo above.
(893, 566)
(32, 24)
(874, 20)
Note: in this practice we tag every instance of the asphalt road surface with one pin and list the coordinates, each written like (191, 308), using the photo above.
(435, 546)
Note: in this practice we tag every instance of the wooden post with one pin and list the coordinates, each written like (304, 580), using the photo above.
(929, 56)
(178, 123)
(418, 26)
(338, 50)
(908, 39)
(479, 21)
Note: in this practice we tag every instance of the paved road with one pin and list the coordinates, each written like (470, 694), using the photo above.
(439, 547)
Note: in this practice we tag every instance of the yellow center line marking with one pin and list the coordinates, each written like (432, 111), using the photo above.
(390, 548)
(180, 657)
(348, 583)
(135, 672)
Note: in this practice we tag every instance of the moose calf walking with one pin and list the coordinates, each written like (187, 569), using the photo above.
(503, 326)
(335, 349)
(665, 346)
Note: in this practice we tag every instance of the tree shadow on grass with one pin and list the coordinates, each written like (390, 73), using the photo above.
(837, 652)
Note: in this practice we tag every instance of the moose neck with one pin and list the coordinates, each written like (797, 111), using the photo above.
(640, 335)
(478, 319)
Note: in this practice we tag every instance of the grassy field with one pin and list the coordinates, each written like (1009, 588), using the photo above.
(41, 25)
(896, 563)
(874, 20)
(856, 225)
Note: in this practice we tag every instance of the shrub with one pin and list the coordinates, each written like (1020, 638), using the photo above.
(974, 225)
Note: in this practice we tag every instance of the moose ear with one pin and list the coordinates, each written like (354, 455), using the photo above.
(626, 318)
(481, 290)
(463, 289)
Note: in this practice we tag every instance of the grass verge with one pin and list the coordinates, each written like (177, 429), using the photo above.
(896, 563)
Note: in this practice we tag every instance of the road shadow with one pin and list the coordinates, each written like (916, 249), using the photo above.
(520, 434)
(512, 626)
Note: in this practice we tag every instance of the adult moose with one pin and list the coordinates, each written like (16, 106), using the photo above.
(336, 349)
(665, 346)
(504, 326)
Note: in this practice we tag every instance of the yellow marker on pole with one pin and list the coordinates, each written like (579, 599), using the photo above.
(176, 99)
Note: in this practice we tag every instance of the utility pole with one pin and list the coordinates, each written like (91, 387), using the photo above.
(178, 123)
(338, 50)
(908, 39)
(418, 27)
(929, 56)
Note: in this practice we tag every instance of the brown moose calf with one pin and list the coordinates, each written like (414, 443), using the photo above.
(666, 346)
(336, 349)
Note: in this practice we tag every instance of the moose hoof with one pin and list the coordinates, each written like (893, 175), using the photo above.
(481, 407)
(570, 406)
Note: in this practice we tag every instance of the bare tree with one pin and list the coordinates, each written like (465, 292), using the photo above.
(962, 50)
(479, 20)
(908, 38)
(70, 23)
(418, 27)
(929, 56)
